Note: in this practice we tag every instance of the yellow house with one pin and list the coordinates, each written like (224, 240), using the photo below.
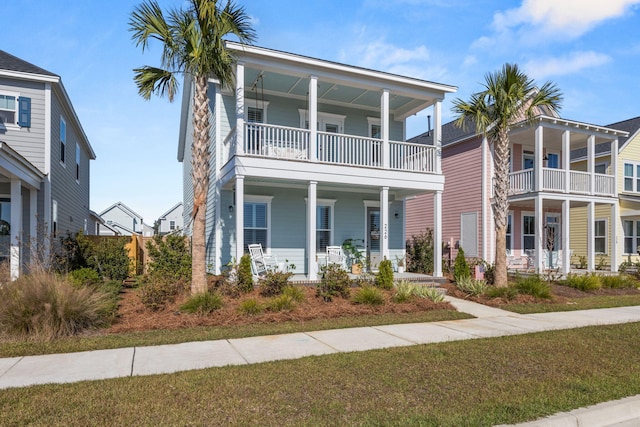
(615, 229)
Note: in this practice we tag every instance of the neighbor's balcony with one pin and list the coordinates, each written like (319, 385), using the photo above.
(281, 142)
(555, 180)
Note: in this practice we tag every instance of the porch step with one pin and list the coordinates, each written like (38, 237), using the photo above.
(129, 282)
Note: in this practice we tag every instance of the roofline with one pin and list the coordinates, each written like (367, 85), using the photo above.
(170, 210)
(123, 206)
(573, 123)
(29, 76)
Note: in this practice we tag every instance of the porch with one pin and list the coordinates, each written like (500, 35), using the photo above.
(563, 181)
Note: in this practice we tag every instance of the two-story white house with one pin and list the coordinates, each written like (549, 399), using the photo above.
(124, 221)
(44, 160)
(172, 220)
(307, 153)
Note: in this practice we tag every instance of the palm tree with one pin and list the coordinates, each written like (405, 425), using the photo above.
(193, 44)
(509, 96)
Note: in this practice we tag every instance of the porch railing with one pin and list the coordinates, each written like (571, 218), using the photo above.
(553, 179)
(412, 157)
(580, 182)
(276, 141)
(349, 150)
(605, 184)
(523, 181)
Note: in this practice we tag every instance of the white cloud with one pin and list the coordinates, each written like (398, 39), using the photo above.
(572, 63)
(569, 17)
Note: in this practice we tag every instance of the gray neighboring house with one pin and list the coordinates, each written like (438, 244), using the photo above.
(125, 220)
(172, 220)
(44, 160)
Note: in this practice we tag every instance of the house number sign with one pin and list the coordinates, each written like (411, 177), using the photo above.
(385, 236)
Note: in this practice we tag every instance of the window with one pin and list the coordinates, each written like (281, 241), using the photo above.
(631, 236)
(509, 235)
(632, 177)
(15, 109)
(553, 160)
(255, 115)
(63, 139)
(7, 109)
(601, 168)
(528, 231)
(172, 225)
(600, 236)
(77, 162)
(255, 224)
(323, 227)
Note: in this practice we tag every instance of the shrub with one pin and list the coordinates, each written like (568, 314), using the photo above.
(107, 256)
(428, 292)
(203, 303)
(156, 293)
(420, 252)
(273, 282)
(384, 277)
(368, 295)
(534, 286)
(85, 276)
(404, 291)
(460, 267)
(471, 286)
(281, 303)
(46, 306)
(170, 258)
(584, 282)
(245, 276)
(294, 292)
(250, 306)
(489, 272)
(617, 282)
(335, 282)
(506, 292)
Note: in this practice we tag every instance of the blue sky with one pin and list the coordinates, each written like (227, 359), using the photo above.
(590, 48)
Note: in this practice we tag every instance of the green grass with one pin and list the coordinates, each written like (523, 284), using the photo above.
(583, 303)
(479, 382)
(68, 345)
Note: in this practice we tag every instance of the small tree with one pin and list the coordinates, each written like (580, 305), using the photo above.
(461, 268)
(384, 277)
(245, 276)
(170, 258)
(420, 252)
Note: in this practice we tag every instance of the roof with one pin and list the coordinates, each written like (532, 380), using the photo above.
(177, 205)
(630, 125)
(124, 207)
(13, 63)
(450, 133)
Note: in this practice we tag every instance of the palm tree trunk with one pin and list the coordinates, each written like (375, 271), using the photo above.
(501, 205)
(200, 179)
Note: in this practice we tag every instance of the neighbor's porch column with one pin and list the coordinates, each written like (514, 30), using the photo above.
(540, 243)
(16, 226)
(539, 154)
(384, 222)
(591, 256)
(614, 165)
(33, 226)
(312, 266)
(313, 119)
(437, 134)
(591, 163)
(437, 234)
(239, 109)
(384, 127)
(566, 237)
(240, 217)
(614, 236)
(566, 160)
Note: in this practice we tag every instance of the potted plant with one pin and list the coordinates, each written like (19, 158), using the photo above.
(400, 264)
(352, 251)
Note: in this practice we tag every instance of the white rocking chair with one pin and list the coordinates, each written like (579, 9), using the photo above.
(261, 263)
(335, 256)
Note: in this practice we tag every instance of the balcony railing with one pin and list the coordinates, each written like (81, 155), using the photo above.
(554, 180)
(280, 142)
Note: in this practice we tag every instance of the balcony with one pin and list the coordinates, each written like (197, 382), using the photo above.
(293, 144)
(555, 180)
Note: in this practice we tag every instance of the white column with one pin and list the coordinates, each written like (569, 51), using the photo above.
(539, 154)
(16, 227)
(539, 233)
(312, 265)
(614, 165)
(437, 234)
(591, 163)
(566, 160)
(613, 237)
(566, 237)
(33, 225)
(591, 257)
(313, 118)
(384, 222)
(239, 210)
(437, 133)
(239, 108)
(485, 199)
(384, 128)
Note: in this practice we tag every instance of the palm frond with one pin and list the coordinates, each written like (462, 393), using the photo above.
(152, 80)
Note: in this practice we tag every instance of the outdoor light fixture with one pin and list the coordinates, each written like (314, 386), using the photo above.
(231, 208)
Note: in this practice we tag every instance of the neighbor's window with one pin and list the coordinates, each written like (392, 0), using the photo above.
(255, 224)
(508, 236)
(631, 236)
(8, 109)
(600, 236)
(63, 139)
(172, 225)
(528, 232)
(632, 177)
(323, 228)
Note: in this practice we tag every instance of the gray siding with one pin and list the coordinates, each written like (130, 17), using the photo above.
(187, 187)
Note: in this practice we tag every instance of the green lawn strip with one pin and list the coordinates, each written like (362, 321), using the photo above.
(479, 382)
(583, 303)
(159, 337)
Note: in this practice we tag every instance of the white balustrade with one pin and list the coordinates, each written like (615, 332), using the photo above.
(521, 181)
(276, 141)
(580, 182)
(553, 179)
(349, 150)
(412, 157)
(605, 184)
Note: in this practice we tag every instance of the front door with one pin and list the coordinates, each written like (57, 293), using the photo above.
(552, 239)
(373, 236)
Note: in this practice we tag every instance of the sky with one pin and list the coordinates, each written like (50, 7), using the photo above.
(589, 48)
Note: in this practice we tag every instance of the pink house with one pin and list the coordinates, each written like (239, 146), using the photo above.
(550, 192)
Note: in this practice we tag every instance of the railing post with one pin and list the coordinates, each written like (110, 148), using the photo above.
(437, 135)
(239, 109)
(313, 118)
(614, 165)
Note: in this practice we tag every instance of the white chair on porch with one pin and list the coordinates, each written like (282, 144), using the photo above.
(335, 256)
(261, 263)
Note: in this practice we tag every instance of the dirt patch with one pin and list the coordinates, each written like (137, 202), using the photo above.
(133, 316)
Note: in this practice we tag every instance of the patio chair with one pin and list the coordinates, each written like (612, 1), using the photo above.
(261, 263)
(335, 256)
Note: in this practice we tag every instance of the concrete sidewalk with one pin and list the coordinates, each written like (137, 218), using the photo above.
(104, 364)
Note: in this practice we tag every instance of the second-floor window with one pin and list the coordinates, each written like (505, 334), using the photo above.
(63, 139)
(7, 109)
(632, 177)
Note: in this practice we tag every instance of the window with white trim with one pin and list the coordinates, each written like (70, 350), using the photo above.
(601, 168)
(255, 115)
(8, 109)
(509, 236)
(63, 139)
(528, 231)
(172, 225)
(600, 236)
(256, 221)
(631, 230)
(553, 160)
(632, 177)
(323, 227)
